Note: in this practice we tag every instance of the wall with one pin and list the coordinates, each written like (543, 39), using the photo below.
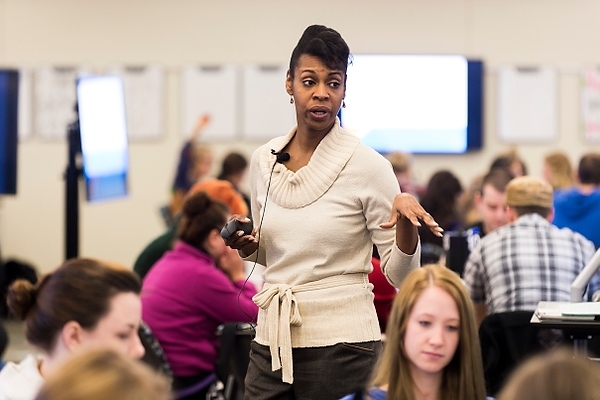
(43, 32)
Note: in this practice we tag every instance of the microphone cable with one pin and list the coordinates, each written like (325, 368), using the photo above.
(253, 322)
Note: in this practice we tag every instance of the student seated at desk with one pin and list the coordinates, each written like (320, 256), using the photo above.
(490, 202)
(84, 303)
(193, 289)
(528, 260)
(578, 208)
(432, 347)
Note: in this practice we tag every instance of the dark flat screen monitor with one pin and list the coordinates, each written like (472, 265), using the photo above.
(9, 99)
(104, 144)
(421, 104)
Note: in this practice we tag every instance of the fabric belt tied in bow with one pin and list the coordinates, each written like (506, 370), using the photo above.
(283, 313)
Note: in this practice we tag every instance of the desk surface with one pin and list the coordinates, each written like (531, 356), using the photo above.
(564, 323)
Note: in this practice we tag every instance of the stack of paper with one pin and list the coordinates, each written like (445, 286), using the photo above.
(589, 309)
(548, 310)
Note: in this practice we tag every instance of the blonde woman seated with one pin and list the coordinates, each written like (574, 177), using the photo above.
(84, 303)
(558, 171)
(99, 374)
(432, 348)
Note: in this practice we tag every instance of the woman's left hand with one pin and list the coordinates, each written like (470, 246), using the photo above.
(406, 206)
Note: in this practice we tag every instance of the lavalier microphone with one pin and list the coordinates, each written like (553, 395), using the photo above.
(280, 156)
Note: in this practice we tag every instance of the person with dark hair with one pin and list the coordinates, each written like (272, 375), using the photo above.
(218, 190)
(432, 345)
(233, 170)
(84, 303)
(528, 260)
(10, 271)
(441, 200)
(193, 289)
(510, 161)
(320, 200)
(490, 201)
(578, 208)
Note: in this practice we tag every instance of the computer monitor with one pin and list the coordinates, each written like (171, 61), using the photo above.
(457, 246)
(9, 99)
(103, 129)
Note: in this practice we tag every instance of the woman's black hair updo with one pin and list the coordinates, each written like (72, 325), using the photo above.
(324, 43)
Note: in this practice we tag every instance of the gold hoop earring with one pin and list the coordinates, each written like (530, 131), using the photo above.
(343, 103)
(291, 99)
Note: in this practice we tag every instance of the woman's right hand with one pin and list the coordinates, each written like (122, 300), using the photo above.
(247, 244)
(203, 120)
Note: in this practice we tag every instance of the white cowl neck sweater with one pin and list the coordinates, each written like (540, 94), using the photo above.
(316, 230)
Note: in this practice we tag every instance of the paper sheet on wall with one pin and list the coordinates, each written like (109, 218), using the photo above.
(267, 111)
(212, 90)
(54, 98)
(144, 88)
(25, 103)
(527, 104)
(590, 104)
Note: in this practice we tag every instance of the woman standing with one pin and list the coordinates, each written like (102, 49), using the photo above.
(320, 200)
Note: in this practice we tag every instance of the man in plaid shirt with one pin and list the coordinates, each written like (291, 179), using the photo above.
(528, 260)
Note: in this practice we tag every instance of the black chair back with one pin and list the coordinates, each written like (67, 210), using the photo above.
(154, 356)
(506, 340)
(234, 357)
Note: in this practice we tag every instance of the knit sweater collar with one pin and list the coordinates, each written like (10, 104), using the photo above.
(298, 189)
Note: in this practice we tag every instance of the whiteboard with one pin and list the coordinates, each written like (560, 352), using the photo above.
(527, 104)
(54, 100)
(212, 90)
(25, 118)
(267, 111)
(144, 88)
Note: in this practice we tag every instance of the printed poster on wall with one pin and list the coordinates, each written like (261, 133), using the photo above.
(54, 98)
(210, 90)
(590, 104)
(267, 112)
(144, 87)
(527, 104)
(25, 124)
